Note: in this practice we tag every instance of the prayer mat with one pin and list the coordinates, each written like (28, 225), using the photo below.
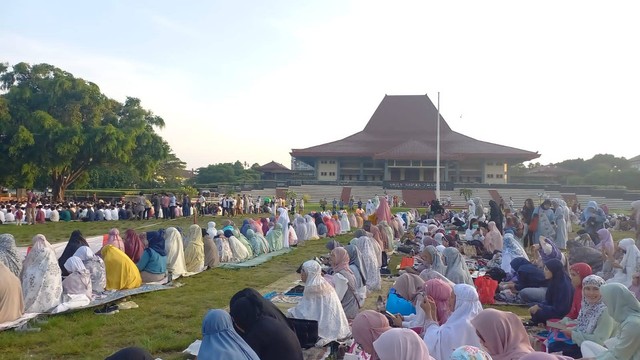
(255, 261)
(18, 322)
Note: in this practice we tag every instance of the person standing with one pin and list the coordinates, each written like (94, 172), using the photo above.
(157, 204)
(31, 207)
(165, 206)
(186, 205)
(301, 206)
(172, 205)
(140, 205)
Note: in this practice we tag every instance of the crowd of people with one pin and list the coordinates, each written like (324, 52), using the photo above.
(598, 311)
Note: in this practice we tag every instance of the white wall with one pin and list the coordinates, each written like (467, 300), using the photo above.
(495, 172)
(327, 169)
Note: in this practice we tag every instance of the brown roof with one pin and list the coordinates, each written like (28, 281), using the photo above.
(273, 167)
(404, 127)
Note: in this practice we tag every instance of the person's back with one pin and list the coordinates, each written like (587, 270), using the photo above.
(280, 344)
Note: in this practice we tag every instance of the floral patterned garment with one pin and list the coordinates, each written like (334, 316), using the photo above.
(41, 277)
(467, 352)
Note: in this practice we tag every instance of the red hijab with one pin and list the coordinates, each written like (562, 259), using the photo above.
(133, 246)
(583, 270)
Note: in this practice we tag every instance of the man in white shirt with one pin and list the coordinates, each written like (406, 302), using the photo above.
(107, 213)
(55, 215)
(10, 217)
(2, 217)
(47, 213)
(114, 213)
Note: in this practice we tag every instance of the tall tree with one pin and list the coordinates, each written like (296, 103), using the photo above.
(64, 126)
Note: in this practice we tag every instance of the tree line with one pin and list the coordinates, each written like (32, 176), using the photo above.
(57, 130)
(602, 169)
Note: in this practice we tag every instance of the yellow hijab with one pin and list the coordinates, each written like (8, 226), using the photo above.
(122, 273)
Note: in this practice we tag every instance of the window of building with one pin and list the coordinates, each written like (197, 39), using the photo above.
(323, 173)
(332, 161)
(323, 161)
(489, 176)
(499, 176)
(332, 173)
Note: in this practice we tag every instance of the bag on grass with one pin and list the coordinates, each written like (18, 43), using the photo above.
(486, 287)
(398, 305)
(407, 261)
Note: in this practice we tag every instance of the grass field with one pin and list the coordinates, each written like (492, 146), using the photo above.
(166, 321)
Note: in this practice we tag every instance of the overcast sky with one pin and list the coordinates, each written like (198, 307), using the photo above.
(250, 80)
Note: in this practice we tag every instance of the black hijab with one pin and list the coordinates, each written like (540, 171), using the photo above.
(130, 353)
(156, 242)
(264, 327)
(75, 242)
(245, 313)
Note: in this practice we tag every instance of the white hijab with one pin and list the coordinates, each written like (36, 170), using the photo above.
(457, 331)
(320, 302)
(223, 247)
(511, 249)
(41, 277)
(371, 270)
(211, 229)
(344, 222)
(311, 226)
(629, 262)
(302, 231)
(96, 268)
(283, 219)
(175, 252)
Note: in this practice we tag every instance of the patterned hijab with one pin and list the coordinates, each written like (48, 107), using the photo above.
(467, 352)
(590, 313)
(9, 254)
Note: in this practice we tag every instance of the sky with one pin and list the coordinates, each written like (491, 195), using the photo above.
(251, 80)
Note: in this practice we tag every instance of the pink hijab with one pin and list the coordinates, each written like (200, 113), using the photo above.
(383, 213)
(115, 239)
(341, 260)
(133, 245)
(606, 242)
(440, 291)
(493, 239)
(408, 286)
(367, 328)
(401, 344)
(503, 334)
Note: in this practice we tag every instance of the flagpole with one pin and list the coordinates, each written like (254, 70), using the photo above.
(438, 152)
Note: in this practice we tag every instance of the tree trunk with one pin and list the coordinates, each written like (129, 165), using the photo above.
(58, 189)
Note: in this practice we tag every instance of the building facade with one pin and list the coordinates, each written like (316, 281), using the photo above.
(399, 144)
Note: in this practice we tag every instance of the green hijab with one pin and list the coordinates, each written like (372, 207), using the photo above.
(621, 303)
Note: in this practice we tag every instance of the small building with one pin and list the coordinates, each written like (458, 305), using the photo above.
(274, 171)
(399, 144)
(635, 162)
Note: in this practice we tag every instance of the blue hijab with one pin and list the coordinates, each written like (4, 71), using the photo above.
(245, 227)
(156, 242)
(220, 340)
